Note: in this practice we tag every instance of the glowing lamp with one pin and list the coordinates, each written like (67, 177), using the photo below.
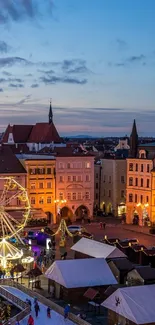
(48, 240)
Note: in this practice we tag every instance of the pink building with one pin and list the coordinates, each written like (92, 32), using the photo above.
(75, 185)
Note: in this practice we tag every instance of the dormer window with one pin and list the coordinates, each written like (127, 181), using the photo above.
(142, 154)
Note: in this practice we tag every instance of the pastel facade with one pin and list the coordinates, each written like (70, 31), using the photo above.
(139, 184)
(113, 186)
(41, 185)
(75, 186)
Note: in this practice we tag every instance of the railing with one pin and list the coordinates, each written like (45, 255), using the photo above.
(43, 300)
(16, 301)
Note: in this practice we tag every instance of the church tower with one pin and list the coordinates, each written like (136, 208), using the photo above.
(133, 141)
(50, 115)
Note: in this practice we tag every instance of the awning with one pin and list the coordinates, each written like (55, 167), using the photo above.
(91, 293)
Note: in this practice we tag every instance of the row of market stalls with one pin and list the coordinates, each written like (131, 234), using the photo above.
(92, 275)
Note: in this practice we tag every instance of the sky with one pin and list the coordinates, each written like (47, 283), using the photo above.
(94, 58)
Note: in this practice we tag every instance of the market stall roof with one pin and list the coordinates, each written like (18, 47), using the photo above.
(134, 303)
(96, 249)
(89, 272)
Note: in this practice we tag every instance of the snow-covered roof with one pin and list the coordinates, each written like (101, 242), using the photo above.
(96, 249)
(134, 303)
(88, 272)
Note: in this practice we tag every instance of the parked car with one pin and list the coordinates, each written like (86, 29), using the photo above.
(75, 228)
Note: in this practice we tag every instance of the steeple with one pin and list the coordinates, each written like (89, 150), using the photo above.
(50, 115)
(133, 141)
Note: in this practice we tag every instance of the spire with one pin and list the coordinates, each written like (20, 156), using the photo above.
(50, 115)
(134, 141)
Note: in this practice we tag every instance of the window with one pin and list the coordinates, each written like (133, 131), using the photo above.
(87, 195)
(87, 164)
(142, 168)
(49, 200)
(33, 171)
(136, 181)
(41, 185)
(79, 165)
(32, 186)
(136, 167)
(96, 196)
(147, 199)
(49, 171)
(79, 178)
(148, 183)
(130, 167)
(68, 196)
(73, 196)
(61, 196)
(49, 184)
(122, 194)
(141, 199)
(135, 198)
(74, 178)
(109, 179)
(41, 171)
(69, 165)
(33, 200)
(97, 175)
(61, 165)
(130, 181)
(79, 195)
(87, 178)
(148, 168)
(109, 193)
(104, 178)
(122, 179)
(41, 200)
(141, 182)
(104, 193)
(18, 201)
(130, 198)
(96, 186)
(69, 178)
(61, 179)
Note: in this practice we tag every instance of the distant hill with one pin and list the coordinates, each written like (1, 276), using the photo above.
(80, 136)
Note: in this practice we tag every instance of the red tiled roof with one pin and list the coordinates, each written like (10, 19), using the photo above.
(20, 133)
(19, 148)
(9, 163)
(44, 133)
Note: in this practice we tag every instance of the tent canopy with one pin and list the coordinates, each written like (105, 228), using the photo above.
(96, 249)
(89, 272)
(134, 303)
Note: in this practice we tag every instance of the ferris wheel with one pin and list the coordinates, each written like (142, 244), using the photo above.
(14, 208)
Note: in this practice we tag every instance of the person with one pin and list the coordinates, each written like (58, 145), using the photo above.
(101, 225)
(104, 225)
(66, 311)
(37, 309)
(35, 300)
(48, 312)
(30, 320)
(17, 322)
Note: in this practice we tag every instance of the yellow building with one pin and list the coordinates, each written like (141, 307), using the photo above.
(41, 184)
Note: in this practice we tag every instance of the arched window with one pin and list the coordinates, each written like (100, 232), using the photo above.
(130, 181)
(130, 197)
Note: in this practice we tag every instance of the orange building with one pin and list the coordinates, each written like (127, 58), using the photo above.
(139, 189)
(41, 184)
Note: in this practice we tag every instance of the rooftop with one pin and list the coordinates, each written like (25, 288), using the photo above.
(9, 163)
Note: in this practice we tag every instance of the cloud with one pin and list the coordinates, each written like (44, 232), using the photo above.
(46, 71)
(11, 80)
(74, 66)
(4, 47)
(34, 86)
(1, 90)
(6, 73)
(11, 85)
(135, 59)
(10, 61)
(24, 100)
(121, 44)
(29, 75)
(55, 80)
